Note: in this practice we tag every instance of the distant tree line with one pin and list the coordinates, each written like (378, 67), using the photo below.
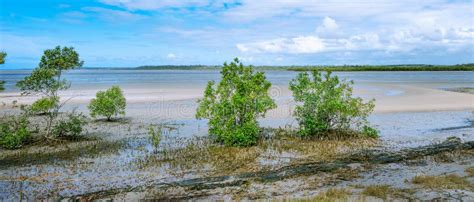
(404, 67)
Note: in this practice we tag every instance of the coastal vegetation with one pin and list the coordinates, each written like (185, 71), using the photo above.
(109, 103)
(46, 81)
(349, 68)
(155, 136)
(380, 191)
(177, 67)
(70, 127)
(43, 105)
(234, 105)
(15, 131)
(3, 55)
(332, 195)
(328, 108)
(450, 181)
(470, 171)
(334, 68)
(334, 138)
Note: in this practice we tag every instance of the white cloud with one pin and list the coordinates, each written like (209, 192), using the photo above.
(361, 42)
(252, 10)
(246, 59)
(108, 15)
(23, 45)
(111, 15)
(329, 25)
(405, 40)
(73, 17)
(382, 25)
(171, 56)
(153, 4)
(440, 27)
(296, 45)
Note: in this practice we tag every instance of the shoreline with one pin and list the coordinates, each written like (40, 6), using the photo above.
(389, 98)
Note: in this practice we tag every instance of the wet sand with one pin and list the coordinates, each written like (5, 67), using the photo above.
(389, 97)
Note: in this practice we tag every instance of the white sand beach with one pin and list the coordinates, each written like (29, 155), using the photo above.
(389, 98)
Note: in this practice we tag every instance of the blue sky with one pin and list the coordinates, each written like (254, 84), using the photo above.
(128, 33)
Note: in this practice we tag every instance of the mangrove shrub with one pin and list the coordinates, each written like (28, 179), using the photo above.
(327, 106)
(3, 55)
(14, 132)
(46, 80)
(70, 127)
(234, 105)
(109, 103)
(44, 105)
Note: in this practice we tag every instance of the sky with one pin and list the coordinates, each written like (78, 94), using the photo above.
(129, 33)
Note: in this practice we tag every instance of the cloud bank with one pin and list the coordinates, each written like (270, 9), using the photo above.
(273, 32)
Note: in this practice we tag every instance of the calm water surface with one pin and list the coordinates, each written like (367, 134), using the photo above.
(93, 78)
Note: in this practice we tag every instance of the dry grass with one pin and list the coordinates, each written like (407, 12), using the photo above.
(470, 171)
(332, 194)
(451, 181)
(385, 191)
(69, 151)
(203, 155)
(379, 191)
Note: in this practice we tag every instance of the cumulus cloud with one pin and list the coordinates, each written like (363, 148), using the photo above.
(439, 28)
(298, 31)
(329, 25)
(392, 41)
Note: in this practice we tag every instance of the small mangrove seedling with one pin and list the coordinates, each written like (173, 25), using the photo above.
(155, 136)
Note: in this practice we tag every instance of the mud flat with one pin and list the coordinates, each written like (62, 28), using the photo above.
(365, 175)
(118, 161)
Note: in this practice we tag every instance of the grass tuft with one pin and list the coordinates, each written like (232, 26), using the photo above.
(205, 155)
(379, 191)
(332, 194)
(451, 181)
(470, 171)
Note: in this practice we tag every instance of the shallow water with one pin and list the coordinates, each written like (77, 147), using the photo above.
(133, 163)
(94, 78)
